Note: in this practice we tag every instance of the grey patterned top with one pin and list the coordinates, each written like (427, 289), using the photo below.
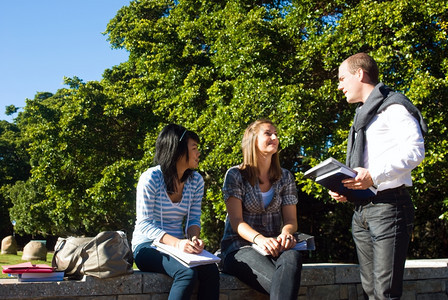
(267, 221)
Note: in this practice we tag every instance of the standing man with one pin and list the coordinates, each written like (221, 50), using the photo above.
(385, 143)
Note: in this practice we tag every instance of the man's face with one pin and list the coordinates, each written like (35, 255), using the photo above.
(350, 84)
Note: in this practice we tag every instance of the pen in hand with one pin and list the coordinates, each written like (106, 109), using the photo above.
(196, 243)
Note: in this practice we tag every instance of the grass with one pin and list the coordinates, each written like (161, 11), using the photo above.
(11, 259)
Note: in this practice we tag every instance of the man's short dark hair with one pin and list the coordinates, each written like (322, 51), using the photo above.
(366, 63)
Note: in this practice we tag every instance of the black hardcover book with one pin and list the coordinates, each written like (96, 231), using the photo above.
(330, 174)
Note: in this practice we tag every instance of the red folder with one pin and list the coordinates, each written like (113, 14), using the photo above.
(27, 267)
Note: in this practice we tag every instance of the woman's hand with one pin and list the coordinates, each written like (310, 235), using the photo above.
(270, 245)
(194, 245)
(287, 241)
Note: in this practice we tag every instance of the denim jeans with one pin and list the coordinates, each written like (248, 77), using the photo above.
(279, 277)
(381, 230)
(184, 279)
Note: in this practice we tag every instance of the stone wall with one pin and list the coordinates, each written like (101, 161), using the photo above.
(424, 280)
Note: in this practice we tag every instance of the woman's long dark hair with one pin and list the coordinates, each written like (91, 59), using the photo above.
(171, 145)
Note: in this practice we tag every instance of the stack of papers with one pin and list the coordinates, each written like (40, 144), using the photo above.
(187, 259)
(27, 272)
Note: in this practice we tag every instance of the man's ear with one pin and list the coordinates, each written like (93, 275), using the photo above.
(363, 76)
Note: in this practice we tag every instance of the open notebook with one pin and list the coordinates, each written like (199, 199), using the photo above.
(187, 259)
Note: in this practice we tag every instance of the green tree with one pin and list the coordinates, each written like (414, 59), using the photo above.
(14, 166)
(409, 40)
(11, 109)
(214, 67)
(83, 157)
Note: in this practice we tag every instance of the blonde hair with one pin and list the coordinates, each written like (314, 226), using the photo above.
(249, 167)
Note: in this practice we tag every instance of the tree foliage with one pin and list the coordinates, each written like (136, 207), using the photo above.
(14, 166)
(214, 67)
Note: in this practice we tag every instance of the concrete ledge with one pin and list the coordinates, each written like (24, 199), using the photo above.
(424, 279)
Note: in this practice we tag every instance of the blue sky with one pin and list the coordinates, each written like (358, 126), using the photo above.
(45, 40)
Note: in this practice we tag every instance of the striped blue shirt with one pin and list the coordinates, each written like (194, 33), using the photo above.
(157, 215)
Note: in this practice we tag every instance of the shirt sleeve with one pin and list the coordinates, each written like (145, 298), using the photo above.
(289, 189)
(147, 190)
(408, 149)
(233, 184)
(197, 193)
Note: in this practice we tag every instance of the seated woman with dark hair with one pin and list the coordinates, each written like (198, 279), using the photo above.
(168, 196)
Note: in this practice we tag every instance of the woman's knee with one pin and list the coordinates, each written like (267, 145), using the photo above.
(186, 274)
(146, 259)
(292, 257)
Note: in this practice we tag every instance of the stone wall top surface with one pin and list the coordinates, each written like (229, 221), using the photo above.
(144, 283)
